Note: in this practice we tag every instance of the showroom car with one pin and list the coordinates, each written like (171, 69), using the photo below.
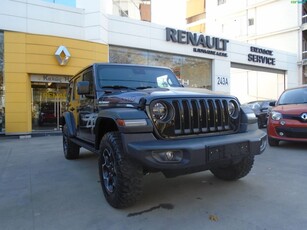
(288, 119)
(47, 113)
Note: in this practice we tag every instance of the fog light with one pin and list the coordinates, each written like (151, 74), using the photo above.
(281, 133)
(170, 156)
(282, 122)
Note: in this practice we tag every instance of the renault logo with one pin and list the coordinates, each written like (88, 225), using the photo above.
(62, 55)
(304, 116)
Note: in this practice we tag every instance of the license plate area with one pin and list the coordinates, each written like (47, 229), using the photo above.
(215, 153)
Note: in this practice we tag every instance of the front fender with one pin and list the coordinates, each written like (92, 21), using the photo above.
(248, 119)
(123, 113)
(116, 114)
(107, 121)
(70, 123)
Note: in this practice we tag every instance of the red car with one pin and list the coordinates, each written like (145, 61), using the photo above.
(47, 113)
(288, 119)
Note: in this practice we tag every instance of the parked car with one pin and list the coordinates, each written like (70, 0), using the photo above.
(261, 109)
(288, 119)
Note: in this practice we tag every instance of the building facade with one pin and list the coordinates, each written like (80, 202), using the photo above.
(43, 44)
(270, 23)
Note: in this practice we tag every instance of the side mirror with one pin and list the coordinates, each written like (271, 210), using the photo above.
(83, 87)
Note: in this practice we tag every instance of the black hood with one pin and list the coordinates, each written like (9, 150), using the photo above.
(120, 97)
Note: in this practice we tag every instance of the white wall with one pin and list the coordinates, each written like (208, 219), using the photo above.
(277, 16)
(221, 72)
(34, 16)
(169, 13)
(276, 22)
(276, 25)
(86, 22)
(92, 23)
(95, 19)
(131, 33)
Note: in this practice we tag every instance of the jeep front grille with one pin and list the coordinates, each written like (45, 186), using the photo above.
(196, 116)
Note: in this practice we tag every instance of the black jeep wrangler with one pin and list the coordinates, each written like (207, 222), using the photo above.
(139, 119)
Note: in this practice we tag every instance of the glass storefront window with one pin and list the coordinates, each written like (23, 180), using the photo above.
(127, 55)
(48, 104)
(191, 71)
(2, 108)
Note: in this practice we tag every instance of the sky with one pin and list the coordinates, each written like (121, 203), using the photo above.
(169, 12)
(63, 2)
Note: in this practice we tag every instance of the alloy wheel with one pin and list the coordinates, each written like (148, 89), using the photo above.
(108, 170)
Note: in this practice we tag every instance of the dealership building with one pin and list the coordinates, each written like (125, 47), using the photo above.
(42, 45)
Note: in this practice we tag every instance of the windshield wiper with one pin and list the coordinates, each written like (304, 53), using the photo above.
(144, 87)
(117, 87)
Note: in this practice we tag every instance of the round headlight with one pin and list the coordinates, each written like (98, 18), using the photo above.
(233, 109)
(256, 106)
(159, 111)
(276, 116)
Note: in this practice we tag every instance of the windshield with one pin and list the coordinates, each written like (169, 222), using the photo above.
(136, 77)
(294, 96)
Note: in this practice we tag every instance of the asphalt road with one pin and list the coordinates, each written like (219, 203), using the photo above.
(39, 189)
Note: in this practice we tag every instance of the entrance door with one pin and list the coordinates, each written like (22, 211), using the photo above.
(255, 84)
(48, 104)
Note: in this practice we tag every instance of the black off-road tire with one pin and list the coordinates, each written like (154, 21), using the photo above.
(71, 150)
(234, 171)
(273, 142)
(120, 176)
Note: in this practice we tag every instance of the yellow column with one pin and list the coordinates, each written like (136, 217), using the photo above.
(17, 85)
(26, 54)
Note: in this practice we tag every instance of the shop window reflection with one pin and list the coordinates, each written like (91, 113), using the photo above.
(190, 71)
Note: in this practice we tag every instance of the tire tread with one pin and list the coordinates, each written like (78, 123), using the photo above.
(234, 171)
(129, 174)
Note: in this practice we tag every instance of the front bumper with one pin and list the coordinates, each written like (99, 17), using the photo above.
(195, 154)
(287, 130)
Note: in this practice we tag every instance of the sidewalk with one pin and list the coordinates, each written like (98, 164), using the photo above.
(29, 135)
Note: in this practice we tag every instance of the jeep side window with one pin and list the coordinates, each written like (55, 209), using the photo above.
(69, 93)
(75, 95)
(88, 76)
